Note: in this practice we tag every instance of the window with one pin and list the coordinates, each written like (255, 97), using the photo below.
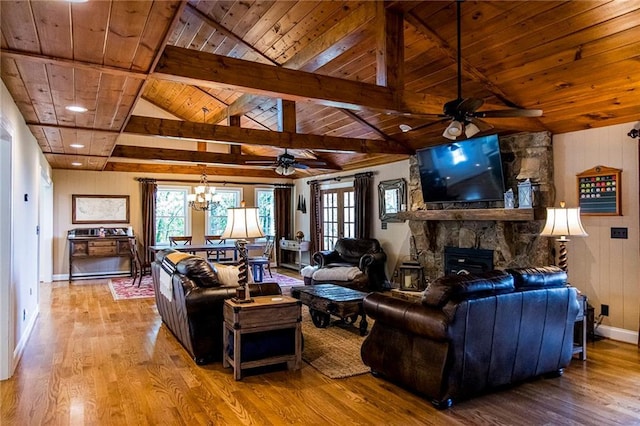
(172, 215)
(217, 216)
(338, 215)
(265, 203)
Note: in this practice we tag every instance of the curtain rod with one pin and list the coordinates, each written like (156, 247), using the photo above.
(339, 178)
(226, 182)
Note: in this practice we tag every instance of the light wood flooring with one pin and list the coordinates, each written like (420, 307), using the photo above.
(94, 361)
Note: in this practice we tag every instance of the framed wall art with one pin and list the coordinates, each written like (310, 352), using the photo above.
(599, 191)
(99, 209)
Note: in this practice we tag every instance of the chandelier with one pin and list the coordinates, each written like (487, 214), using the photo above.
(204, 196)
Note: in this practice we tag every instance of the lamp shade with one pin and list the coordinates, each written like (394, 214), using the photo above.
(563, 222)
(242, 222)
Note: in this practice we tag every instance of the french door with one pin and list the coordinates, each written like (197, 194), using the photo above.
(338, 215)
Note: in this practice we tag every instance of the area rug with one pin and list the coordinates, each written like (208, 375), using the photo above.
(285, 282)
(123, 288)
(333, 351)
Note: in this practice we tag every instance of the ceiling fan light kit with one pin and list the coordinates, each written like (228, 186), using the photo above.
(285, 170)
(453, 130)
(471, 130)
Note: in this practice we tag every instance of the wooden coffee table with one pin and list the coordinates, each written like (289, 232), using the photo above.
(325, 300)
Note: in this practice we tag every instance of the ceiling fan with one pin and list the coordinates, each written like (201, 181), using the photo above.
(286, 164)
(462, 113)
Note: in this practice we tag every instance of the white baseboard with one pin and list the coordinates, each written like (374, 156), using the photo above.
(22, 343)
(88, 276)
(619, 334)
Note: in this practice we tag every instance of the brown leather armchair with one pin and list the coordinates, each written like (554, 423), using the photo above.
(365, 254)
(190, 300)
(472, 333)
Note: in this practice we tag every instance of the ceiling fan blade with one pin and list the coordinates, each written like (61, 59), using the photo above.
(509, 113)
(264, 162)
(470, 105)
(297, 165)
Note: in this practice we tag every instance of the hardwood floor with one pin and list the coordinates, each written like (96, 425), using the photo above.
(94, 361)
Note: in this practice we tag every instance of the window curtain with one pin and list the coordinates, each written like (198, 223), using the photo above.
(149, 189)
(282, 213)
(364, 204)
(315, 228)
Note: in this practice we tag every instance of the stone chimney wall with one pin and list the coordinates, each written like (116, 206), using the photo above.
(515, 243)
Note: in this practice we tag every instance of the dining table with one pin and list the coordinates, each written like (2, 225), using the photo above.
(215, 250)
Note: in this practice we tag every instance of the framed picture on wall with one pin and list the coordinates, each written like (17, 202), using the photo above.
(99, 209)
(599, 191)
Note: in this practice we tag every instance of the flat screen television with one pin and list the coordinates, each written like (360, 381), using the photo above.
(464, 171)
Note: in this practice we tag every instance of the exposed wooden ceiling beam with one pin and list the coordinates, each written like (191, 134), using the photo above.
(113, 166)
(207, 69)
(390, 51)
(211, 132)
(72, 128)
(71, 63)
(145, 153)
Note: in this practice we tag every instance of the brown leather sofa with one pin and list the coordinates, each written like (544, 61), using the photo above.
(193, 311)
(472, 333)
(365, 254)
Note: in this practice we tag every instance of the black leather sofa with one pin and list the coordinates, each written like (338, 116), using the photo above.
(193, 310)
(365, 254)
(472, 333)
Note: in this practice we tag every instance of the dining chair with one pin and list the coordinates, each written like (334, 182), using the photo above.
(136, 262)
(218, 256)
(258, 263)
(180, 240)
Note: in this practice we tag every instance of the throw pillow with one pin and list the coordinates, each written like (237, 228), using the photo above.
(228, 274)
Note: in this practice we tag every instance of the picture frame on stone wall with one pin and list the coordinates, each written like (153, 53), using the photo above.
(599, 190)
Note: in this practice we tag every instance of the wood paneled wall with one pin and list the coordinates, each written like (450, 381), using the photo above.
(605, 269)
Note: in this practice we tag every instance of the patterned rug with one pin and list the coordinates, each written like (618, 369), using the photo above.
(333, 351)
(285, 281)
(123, 288)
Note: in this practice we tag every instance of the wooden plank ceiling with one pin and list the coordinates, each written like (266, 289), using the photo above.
(232, 84)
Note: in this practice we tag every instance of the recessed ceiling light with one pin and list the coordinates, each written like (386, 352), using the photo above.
(76, 145)
(76, 163)
(76, 108)
(405, 128)
(77, 1)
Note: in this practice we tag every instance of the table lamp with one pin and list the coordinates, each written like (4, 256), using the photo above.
(242, 223)
(563, 222)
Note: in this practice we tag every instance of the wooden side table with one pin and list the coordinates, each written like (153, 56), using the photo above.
(264, 314)
(580, 329)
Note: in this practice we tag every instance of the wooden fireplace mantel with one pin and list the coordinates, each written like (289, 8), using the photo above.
(470, 214)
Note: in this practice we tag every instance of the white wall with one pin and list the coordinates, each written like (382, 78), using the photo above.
(604, 269)
(394, 239)
(20, 293)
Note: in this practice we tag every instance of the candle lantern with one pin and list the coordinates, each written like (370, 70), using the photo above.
(527, 194)
(411, 277)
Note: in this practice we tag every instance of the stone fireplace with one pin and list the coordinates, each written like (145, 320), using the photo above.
(514, 240)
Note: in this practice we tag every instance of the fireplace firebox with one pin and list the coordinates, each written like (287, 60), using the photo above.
(467, 261)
